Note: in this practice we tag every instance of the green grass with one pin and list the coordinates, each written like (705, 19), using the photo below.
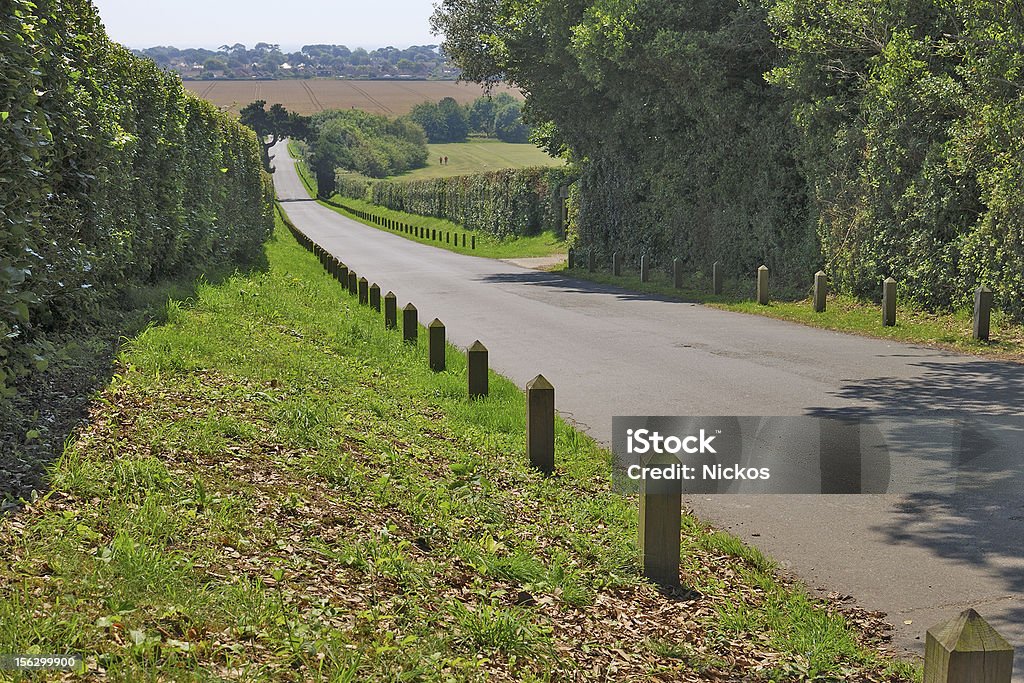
(478, 156)
(275, 487)
(487, 246)
(843, 313)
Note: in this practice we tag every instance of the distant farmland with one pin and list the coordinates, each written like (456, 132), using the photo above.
(393, 98)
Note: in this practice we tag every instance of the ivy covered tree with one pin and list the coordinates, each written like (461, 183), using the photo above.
(276, 124)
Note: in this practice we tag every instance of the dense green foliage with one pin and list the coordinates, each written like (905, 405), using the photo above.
(503, 203)
(111, 176)
(499, 116)
(370, 144)
(913, 136)
(872, 139)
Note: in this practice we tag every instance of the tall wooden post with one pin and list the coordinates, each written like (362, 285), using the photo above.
(390, 311)
(820, 291)
(982, 313)
(436, 345)
(660, 519)
(410, 325)
(762, 285)
(888, 302)
(966, 649)
(540, 424)
(476, 364)
(364, 291)
(375, 297)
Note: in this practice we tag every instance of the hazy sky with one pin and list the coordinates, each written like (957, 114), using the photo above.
(290, 23)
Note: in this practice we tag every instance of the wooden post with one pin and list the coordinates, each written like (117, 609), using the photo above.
(474, 241)
(591, 260)
(645, 271)
(353, 282)
(660, 519)
(982, 313)
(677, 273)
(888, 302)
(616, 264)
(364, 291)
(435, 345)
(433, 234)
(540, 424)
(390, 311)
(410, 326)
(820, 291)
(343, 275)
(716, 278)
(762, 285)
(375, 297)
(463, 240)
(570, 258)
(966, 649)
(476, 363)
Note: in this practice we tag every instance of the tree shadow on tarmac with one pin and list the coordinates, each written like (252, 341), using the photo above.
(568, 284)
(980, 521)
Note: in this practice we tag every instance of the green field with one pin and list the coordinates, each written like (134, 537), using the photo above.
(479, 156)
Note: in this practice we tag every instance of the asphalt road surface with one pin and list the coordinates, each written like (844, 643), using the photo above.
(920, 558)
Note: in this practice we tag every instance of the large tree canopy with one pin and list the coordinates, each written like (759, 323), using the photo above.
(276, 124)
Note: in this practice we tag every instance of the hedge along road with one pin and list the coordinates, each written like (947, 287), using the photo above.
(611, 352)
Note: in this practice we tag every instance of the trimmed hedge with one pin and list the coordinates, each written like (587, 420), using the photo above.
(111, 176)
(505, 203)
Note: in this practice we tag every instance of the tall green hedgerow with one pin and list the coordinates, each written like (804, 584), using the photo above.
(504, 203)
(111, 176)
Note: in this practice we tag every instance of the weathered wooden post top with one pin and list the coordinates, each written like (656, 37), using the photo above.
(966, 649)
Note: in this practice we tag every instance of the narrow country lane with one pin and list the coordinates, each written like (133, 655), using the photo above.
(611, 352)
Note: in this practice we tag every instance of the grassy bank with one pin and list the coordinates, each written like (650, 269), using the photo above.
(478, 156)
(487, 246)
(274, 487)
(843, 313)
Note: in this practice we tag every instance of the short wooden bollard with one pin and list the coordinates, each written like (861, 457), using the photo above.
(410, 325)
(540, 424)
(677, 273)
(888, 302)
(660, 519)
(463, 240)
(343, 275)
(571, 258)
(353, 282)
(447, 238)
(716, 278)
(436, 345)
(645, 269)
(364, 291)
(966, 650)
(474, 242)
(433, 235)
(762, 285)
(390, 311)
(616, 264)
(982, 313)
(591, 261)
(820, 291)
(375, 297)
(476, 364)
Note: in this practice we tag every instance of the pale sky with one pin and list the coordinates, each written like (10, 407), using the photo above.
(289, 23)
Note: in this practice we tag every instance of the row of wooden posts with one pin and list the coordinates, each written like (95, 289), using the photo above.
(982, 296)
(963, 650)
(540, 394)
(418, 231)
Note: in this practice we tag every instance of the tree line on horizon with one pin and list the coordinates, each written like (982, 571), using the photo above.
(867, 139)
(268, 61)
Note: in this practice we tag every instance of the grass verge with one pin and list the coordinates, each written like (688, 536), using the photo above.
(487, 246)
(951, 331)
(478, 156)
(275, 487)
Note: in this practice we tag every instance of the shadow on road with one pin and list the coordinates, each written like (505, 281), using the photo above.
(568, 284)
(977, 525)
